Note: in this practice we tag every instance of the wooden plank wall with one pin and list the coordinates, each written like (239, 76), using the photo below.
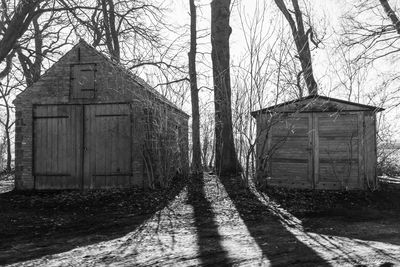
(291, 151)
(321, 150)
(83, 146)
(57, 147)
(337, 143)
(107, 152)
(370, 150)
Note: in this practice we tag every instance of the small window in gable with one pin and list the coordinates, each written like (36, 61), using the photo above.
(83, 81)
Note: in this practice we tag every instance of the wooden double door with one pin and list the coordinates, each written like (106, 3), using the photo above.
(316, 150)
(82, 146)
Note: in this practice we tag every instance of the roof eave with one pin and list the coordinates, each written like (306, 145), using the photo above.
(271, 108)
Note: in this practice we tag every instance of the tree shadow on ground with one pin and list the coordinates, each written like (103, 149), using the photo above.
(208, 238)
(363, 224)
(278, 245)
(37, 224)
(365, 215)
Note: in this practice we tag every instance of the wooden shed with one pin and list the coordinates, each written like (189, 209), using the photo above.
(89, 123)
(317, 142)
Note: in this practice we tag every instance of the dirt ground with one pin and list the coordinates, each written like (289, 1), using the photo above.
(208, 222)
(6, 183)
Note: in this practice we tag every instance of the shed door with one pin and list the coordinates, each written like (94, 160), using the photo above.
(57, 146)
(85, 146)
(107, 150)
(290, 149)
(336, 150)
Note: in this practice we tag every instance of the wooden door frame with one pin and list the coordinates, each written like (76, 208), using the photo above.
(314, 151)
(82, 136)
(84, 133)
(310, 135)
(316, 146)
(70, 114)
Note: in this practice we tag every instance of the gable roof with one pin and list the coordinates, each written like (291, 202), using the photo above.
(134, 78)
(305, 104)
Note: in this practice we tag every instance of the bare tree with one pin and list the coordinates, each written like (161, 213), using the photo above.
(196, 153)
(14, 24)
(130, 28)
(301, 40)
(43, 41)
(32, 68)
(226, 161)
(371, 30)
(135, 29)
(206, 144)
(19, 28)
(110, 30)
(265, 74)
(370, 38)
(7, 121)
(391, 14)
(351, 75)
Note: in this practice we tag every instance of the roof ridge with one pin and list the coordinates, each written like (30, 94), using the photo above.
(316, 96)
(140, 81)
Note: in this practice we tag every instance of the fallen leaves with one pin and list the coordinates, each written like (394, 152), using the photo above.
(351, 204)
(37, 215)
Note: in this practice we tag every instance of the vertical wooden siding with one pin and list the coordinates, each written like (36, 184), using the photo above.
(87, 146)
(319, 150)
(57, 146)
(289, 146)
(370, 150)
(107, 152)
(337, 150)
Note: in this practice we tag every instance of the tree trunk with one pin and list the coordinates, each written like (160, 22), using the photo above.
(24, 13)
(226, 162)
(302, 44)
(111, 34)
(196, 155)
(390, 13)
(9, 156)
(205, 150)
(33, 69)
(210, 163)
(7, 128)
